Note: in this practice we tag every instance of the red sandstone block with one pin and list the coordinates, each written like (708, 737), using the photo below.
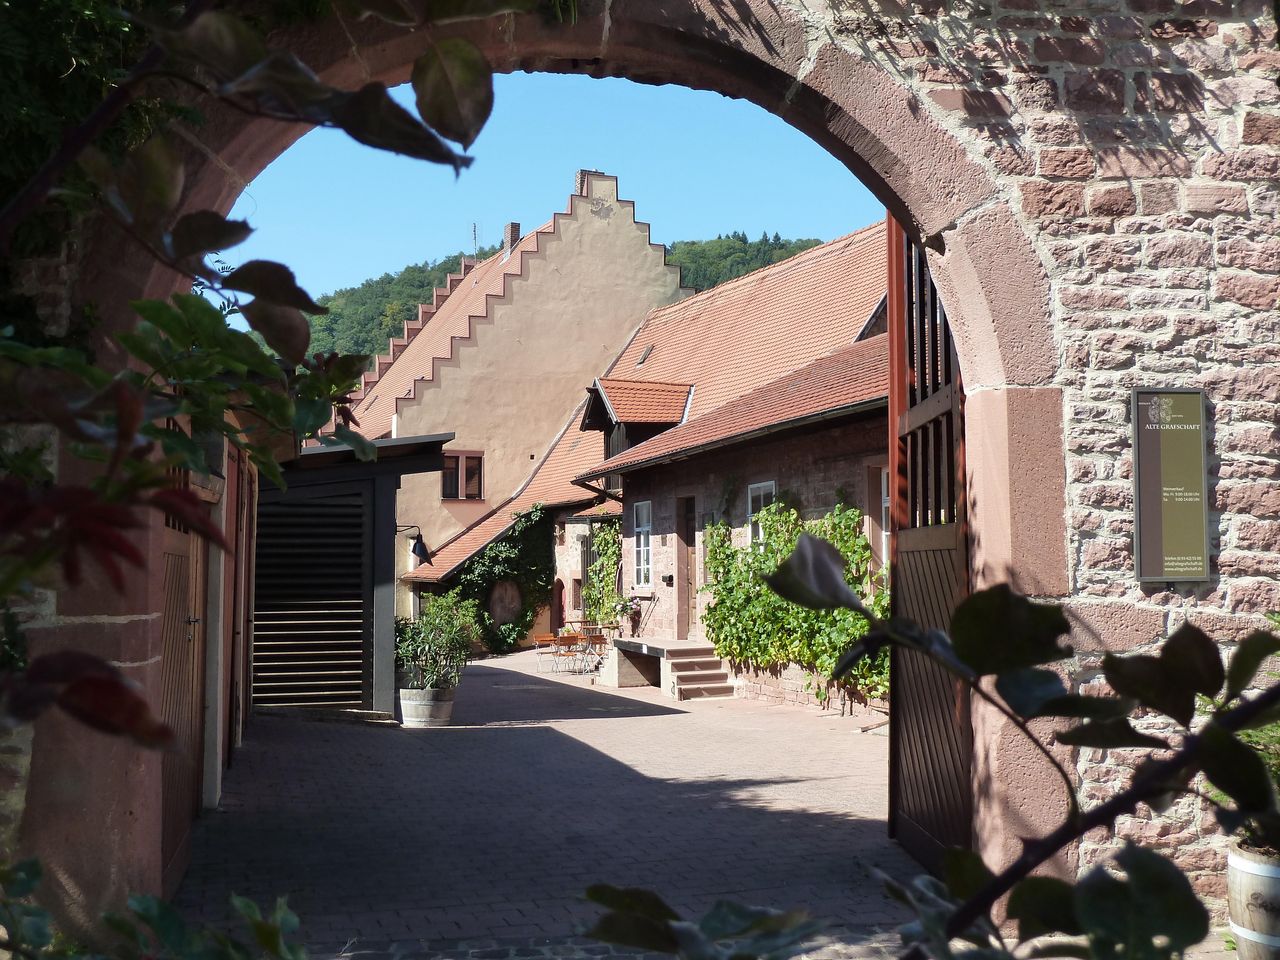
(1075, 24)
(1262, 255)
(1035, 93)
(1053, 199)
(1130, 162)
(1255, 596)
(975, 103)
(1234, 563)
(1251, 290)
(1082, 50)
(1071, 163)
(1179, 250)
(1180, 29)
(1258, 535)
(1257, 61)
(1260, 499)
(1261, 128)
(1159, 196)
(1216, 200)
(1111, 202)
(1092, 298)
(1168, 92)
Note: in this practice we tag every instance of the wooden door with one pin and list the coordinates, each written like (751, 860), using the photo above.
(931, 734)
(182, 694)
(686, 568)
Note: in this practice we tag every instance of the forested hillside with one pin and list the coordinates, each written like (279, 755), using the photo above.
(708, 263)
(362, 319)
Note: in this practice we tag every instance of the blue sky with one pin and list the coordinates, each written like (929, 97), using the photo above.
(697, 164)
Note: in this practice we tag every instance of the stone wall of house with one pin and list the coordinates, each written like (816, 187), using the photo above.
(813, 470)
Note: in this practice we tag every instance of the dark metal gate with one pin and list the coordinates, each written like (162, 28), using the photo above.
(931, 734)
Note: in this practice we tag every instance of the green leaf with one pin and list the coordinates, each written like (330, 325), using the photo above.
(284, 328)
(964, 872)
(1248, 658)
(1043, 905)
(164, 921)
(633, 930)
(21, 879)
(364, 449)
(271, 281)
(814, 577)
(1107, 734)
(246, 908)
(636, 900)
(1193, 660)
(1237, 770)
(995, 630)
(453, 83)
(1148, 680)
(219, 40)
(371, 117)
(204, 232)
(309, 415)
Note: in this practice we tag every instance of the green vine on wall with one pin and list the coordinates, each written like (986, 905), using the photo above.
(750, 624)
(524, 555)
(600, 597)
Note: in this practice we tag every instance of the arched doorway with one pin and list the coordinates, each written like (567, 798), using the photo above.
(987, 270)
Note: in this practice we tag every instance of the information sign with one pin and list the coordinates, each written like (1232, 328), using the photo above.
(1170, 485)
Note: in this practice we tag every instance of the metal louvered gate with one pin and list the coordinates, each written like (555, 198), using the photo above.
(312, 599)
(931, 733)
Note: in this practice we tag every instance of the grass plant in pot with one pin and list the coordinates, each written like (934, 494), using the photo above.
(1253, 863)
(431, 651)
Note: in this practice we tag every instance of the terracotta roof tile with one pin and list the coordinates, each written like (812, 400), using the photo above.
(749, 331)
(854, 375)
(551, 484)
(639, 401)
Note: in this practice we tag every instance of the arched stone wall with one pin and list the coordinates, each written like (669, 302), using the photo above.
(1096, 187)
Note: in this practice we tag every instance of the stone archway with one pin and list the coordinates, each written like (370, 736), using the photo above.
(1035, 158)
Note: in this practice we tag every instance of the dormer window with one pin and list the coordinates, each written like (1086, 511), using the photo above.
(462, 477)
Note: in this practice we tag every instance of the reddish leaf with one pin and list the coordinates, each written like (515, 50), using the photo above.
(113, 705)
(65, 666)
(185, 507)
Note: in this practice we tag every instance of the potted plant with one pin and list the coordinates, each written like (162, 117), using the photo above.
(430, 654)
(1253, 862)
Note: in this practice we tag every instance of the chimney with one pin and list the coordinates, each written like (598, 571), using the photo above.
(581, 183)
(510, 237)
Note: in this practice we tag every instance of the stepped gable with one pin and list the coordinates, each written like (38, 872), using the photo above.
(551, 484)
(742, 334)
(846, 379)
(450, 317)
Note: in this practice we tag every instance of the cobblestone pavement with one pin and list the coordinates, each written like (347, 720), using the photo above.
(477, 840)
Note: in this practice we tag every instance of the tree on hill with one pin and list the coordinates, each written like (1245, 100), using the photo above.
(708, 263)
(363, 318)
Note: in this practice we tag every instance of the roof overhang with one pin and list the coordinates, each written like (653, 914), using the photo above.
(398, 456)
(835, 413)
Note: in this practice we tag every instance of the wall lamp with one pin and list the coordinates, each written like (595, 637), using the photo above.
(419, 548)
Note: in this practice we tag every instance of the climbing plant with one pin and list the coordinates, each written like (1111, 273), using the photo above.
(525, 556)
(600, 597)
(750, 624)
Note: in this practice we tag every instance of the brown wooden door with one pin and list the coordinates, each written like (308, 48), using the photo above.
(931, 734)
(687, 568)
(182, 694)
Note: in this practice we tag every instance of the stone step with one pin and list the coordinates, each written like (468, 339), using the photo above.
(686, 653)
(700, 691)
(691, 678)
(692, 664)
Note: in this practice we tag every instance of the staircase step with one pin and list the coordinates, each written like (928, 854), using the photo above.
(693, 678)
(700, 691)
(685, 653)
(694, 664)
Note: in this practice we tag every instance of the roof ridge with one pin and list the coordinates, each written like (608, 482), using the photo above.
(728, 285)
(646, 383)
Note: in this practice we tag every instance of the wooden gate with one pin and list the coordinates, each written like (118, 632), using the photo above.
(931, 734)
(182, 694)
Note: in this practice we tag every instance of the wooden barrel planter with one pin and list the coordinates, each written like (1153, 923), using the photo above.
(1253, 897)
(426, 708)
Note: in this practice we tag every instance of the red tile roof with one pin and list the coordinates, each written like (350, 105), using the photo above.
(551, 485)
(846, 379)
(752, 330)
(639, 401)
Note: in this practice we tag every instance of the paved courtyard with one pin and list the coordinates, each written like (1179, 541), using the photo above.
(480, 838)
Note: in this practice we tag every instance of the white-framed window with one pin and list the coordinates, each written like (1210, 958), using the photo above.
(642, 526)
(462, 477)
(759, 496)
(885, 499)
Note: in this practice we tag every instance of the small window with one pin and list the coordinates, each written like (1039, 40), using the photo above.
(759, 496)
(576, 594)
(642, 522)
(462, 477)
(884, 515)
